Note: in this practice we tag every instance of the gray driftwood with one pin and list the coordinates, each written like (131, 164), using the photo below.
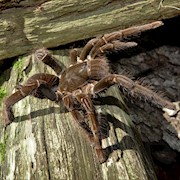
(45, 143)
(27, 25)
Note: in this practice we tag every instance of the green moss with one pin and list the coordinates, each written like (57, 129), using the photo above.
(3, 147)
(2, 151)
(3, 93)
(18, 67)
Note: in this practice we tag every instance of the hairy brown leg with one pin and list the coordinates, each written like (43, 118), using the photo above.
(45, 56)
(114, 45)
(89, 107)
(47, 85)
(14, 98)
(40, 86)
(87, 48)
(123, 34)
(94, 44)
(78, 117)
(134, 89)
(74, 54)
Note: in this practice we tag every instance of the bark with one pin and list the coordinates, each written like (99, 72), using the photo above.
(27, 25)
(162, 63)
(44, 142)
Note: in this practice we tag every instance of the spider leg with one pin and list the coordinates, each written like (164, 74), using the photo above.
(120, 35)
(47, 86)
(89, 107)
(134, 89)
(74, 54)
(14, 98)
(87, 48)
(44, 91)
(45, 56)
(40, 86)
(114, 45)
(78, 117)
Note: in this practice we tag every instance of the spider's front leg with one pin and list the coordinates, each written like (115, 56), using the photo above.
(40, 85)
(110, 41)
(45, 56)
(74, 55)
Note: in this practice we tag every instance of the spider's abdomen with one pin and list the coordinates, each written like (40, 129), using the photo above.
(73, 77)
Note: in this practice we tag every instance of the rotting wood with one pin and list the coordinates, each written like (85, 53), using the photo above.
(53, 23)
(44, 142)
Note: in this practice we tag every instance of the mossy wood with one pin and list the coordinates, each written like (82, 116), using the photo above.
(45, 143)
(28, 25)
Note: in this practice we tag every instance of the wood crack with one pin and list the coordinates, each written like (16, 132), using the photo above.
(46, 150)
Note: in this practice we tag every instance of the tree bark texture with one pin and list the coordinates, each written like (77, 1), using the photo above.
(162, 63)
(27, 25)
(45, 143)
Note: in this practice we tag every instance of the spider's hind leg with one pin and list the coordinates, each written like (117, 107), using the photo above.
(134, 90)
(89, 107)
(78, 116)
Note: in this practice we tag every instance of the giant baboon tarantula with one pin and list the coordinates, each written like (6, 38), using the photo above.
(88, 75)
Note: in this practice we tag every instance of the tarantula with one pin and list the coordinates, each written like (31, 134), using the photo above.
(88, 74)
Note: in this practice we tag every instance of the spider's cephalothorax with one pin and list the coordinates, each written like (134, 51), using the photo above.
(77, 85)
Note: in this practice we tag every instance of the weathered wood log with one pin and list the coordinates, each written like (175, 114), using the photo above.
(44, 142)
(30, 25)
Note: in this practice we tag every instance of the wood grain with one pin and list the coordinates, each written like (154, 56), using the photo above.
(30, 25)
(45, 143)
